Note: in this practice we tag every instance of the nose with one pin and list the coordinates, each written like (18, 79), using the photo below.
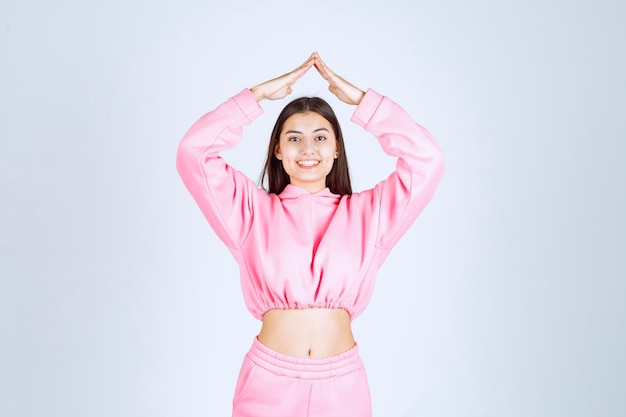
(308, 146)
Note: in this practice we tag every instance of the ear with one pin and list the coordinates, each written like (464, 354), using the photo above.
(336, 154)
(277, 153)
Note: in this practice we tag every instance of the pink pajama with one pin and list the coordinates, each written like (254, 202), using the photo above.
(271, 384)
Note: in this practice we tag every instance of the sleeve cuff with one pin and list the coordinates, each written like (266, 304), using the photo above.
(248, 104)
(367, 107)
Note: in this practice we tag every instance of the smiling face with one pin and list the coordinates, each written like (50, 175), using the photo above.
(274, 178)
(307, 149)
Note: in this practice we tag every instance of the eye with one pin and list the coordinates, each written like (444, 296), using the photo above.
(293, 139)
(320, 138)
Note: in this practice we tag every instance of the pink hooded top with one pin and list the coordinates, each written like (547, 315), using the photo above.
(296, 249)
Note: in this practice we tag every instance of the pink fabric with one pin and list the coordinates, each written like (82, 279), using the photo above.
(296, 249)
(271, 384)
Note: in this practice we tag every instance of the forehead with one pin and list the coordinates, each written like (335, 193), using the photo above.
(306, 122)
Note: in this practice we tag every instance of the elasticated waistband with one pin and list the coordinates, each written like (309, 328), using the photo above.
(304, 368)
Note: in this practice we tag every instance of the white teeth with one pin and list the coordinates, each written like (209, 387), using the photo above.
(308, 163)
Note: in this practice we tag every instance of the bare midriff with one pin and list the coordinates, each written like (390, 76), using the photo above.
(307, 333)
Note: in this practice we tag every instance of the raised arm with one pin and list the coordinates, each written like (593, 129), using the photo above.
(398, 200)
(404, 194)
(225, 196)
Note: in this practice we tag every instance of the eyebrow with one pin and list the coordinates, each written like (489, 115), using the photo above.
(299, 133)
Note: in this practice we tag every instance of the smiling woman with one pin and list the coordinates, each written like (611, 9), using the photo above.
(308, 248)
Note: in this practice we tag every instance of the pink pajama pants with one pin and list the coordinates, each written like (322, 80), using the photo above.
(271, 384)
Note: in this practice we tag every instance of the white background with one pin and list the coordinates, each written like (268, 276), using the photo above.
(506, 298)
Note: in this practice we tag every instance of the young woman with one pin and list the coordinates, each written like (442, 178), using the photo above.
(308, 248)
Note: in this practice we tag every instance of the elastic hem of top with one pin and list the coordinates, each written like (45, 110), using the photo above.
(304, 368)
(259, 316)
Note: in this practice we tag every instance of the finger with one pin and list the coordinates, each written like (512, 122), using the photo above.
(302, 69)
(306, 66)
(295, 76)
(324, 71)
(322, 65)
(308, 63)
(283, 92)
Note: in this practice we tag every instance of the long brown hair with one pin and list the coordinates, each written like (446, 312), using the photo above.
(337, 180)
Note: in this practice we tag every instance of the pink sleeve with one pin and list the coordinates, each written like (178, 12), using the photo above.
(405, 193)
(224, 194)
